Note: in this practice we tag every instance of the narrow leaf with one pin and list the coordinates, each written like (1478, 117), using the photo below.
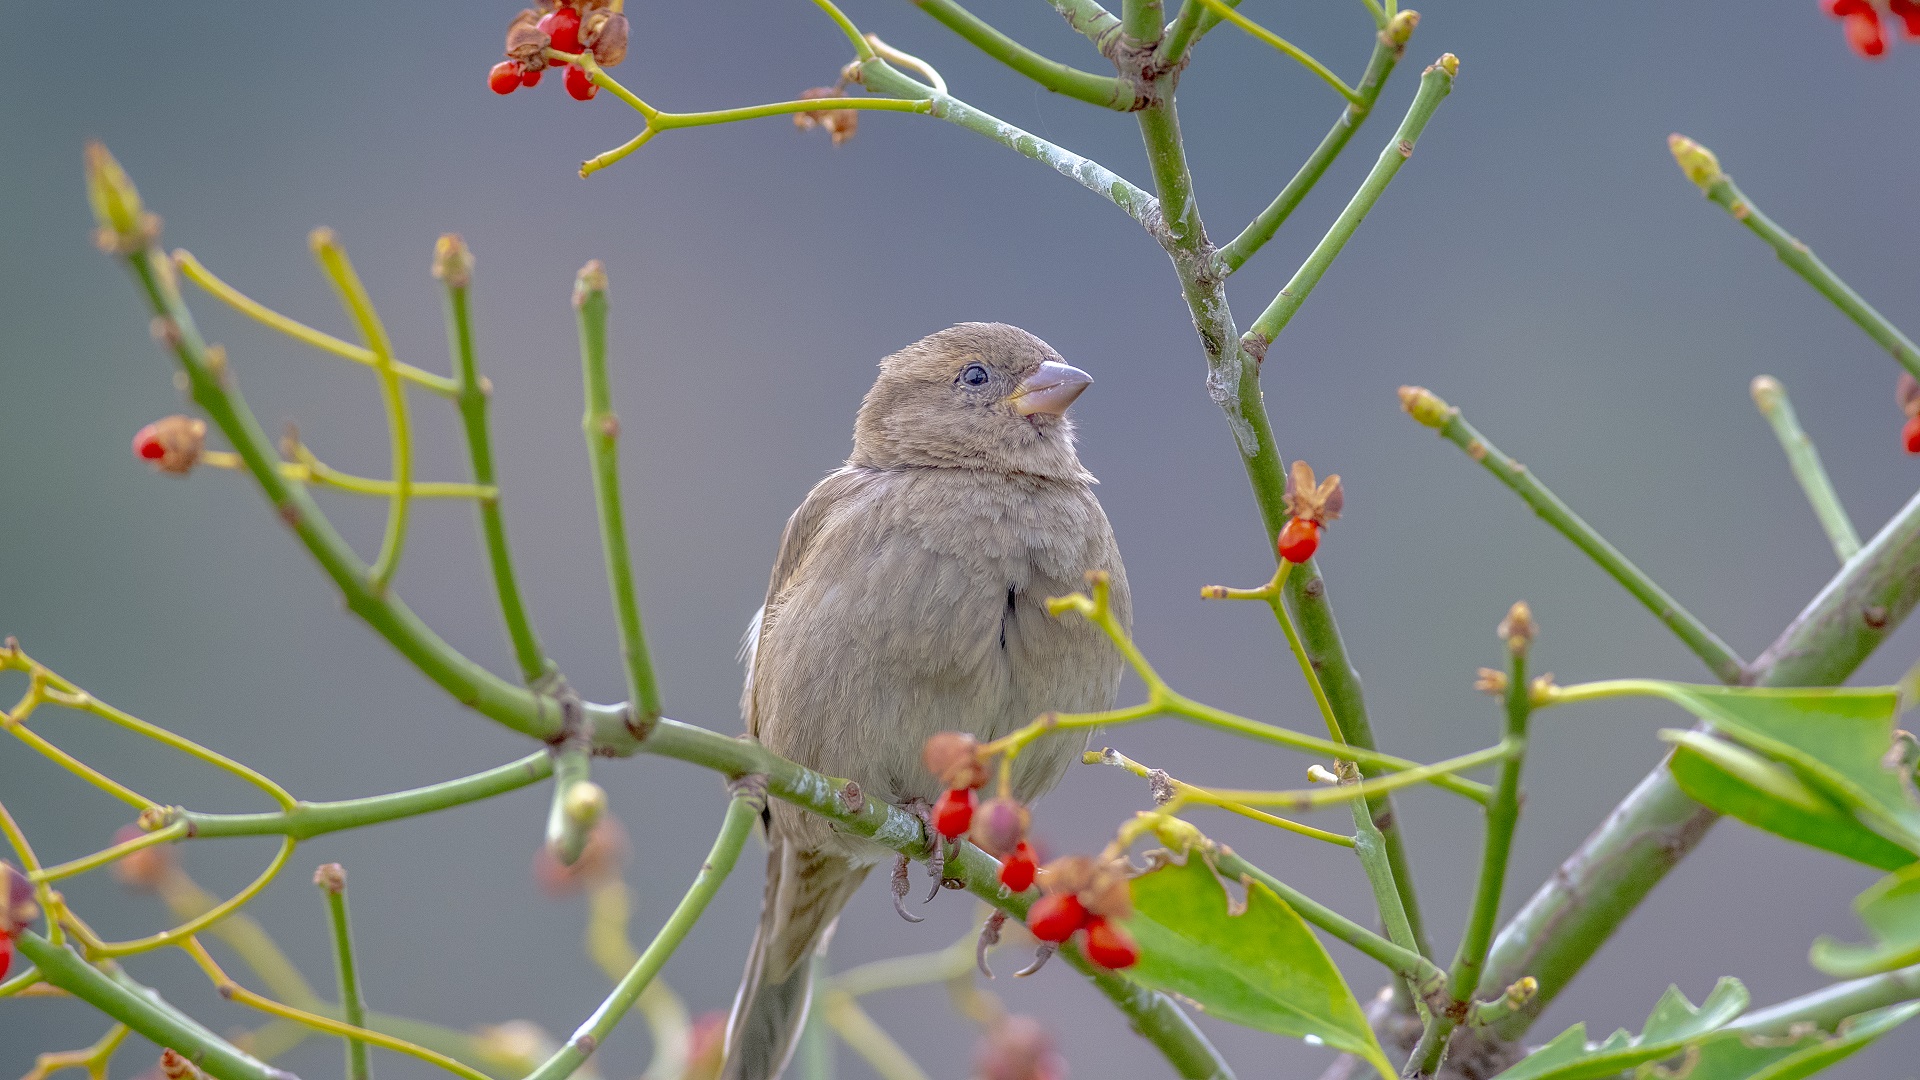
(1739, 783)
(1890, 910)
(1259, 966)
(1732, 1055)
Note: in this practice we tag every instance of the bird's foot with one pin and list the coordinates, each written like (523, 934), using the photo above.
(989, 937)
(937, 866)
(900, 883)
(1040, 957)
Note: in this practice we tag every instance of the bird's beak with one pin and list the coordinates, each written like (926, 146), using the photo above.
(1051, 389)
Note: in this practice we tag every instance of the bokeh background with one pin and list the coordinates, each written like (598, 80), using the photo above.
(1540, 263)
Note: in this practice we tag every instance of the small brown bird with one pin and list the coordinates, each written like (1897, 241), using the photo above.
(909, 598)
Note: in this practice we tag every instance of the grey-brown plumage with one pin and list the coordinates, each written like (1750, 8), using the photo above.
(909, 598)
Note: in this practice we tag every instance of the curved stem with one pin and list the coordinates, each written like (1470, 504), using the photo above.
(1305, 58)
(1102, 90)
(310, 819)
(353, 294)
(1186, 793)
(193, 271)
(859, 42)
(106, 950)
(1402, 961)
(742, 811)
(75, 867)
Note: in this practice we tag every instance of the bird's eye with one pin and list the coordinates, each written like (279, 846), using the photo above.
(974, 375)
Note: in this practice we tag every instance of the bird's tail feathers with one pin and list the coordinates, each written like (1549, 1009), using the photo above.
(805, 892)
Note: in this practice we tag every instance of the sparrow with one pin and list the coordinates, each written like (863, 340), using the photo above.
(909, 598)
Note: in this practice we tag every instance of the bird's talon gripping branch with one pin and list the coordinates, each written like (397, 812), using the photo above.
(900, 883)
(989, 937)
(1041, 955)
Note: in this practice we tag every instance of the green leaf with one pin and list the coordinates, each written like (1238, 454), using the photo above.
(1740, 783)
(1837, 739)
(1890, 910)
(1261, 966)
(1673, 1024)
(1733, 1055)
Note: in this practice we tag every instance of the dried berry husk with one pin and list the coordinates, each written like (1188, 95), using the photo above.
(1318, 503)
(954, 757)
(180, 438)
(1018, 1048)
(1068, 873)
(528, 43)
(1907, 393)
(605, 35)
(1109, 895)
(999, 825)
(841, 124)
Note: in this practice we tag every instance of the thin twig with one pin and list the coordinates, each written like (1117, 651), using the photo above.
(332, 881)
(1771, 399)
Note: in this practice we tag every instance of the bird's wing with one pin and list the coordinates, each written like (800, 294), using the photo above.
(827, 497)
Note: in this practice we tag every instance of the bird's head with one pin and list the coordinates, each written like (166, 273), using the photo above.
(978, 396)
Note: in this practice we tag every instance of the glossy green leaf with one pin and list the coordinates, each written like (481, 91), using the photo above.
(1257, 965)
(1673, 1024)
(1890, 910)
(1732, 1055)
(1740, 783)
(1838, 740)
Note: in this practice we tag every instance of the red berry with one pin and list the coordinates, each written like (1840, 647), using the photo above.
(1908, 12)
(530, 77)
(146, 444)
(563, 26)
(1109, 946)
(1017, 872)
(1841, 9)
(1299, 539)
(1911, 434)
(1055, 918)
(1863, 33)
(6, 955)
(953, 813)
(505, 77)
(579, 85)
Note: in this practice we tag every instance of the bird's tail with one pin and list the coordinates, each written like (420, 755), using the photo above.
(805, 892)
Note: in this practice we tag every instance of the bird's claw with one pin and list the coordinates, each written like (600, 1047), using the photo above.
(989, 937)
(1040, 957)
(937, 866)
(900, 885)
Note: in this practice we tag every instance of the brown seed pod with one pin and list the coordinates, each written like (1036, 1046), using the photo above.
(1068, 874)
(999, 825)
(954, 757)
(841, 124)
(1109, 895)
(527, 43)
(605, 35)
(1907, 393)
(1313, 502)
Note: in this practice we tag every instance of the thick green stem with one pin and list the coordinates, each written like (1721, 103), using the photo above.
(310, 819)
(1087, 17)
(332, 880)
(1601, 883)
(1435, 83)
(1721, 190)
(742, 811)
(1771, 398)
(165, 1027)
(603, 440)
(1386, 53)
(1140, 23)
(454, 266)
(1719, 658)
(1102, 90)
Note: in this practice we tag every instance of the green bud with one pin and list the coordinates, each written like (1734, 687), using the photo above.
(1696, 161)
(1425, 406)
(125, 227)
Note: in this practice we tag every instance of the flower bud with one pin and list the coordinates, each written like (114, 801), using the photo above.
(172, 443)
(999, 825)
(1425, 406)
(1696, 161)
(1400, 28)
(1110, 894)
(605, 35)
(331, 877)
(1518, 628)
(954, 757)
(452, 261)
(584, 803)
(1448, 63)
(125, 226)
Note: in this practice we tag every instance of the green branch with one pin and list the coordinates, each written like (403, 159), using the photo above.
(877, 75)
(453, 265)
(1102, 90)
(1087, 17)
(310, 819)
(332, 880)
(742, 811)
(1600, 884)
(602, 429)
(1387, 50)
(1435, 83)
(1140, 23)
(1704, 170)
(1427, 408)
(1804, 460)
(1826, 1007)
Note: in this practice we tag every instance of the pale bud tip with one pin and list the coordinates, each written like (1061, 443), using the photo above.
(1696, 161)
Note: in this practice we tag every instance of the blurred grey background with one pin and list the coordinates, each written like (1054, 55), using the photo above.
(1540, 263)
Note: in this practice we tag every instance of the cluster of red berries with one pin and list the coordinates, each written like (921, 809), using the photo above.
(1312, 506)
(568, 26)
(1081, 894)
(1861, 21)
